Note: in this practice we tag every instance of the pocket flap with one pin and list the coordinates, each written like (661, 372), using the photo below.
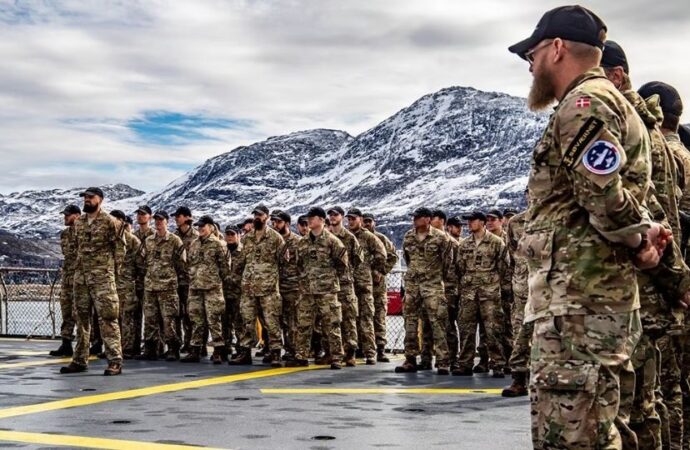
(567, 375)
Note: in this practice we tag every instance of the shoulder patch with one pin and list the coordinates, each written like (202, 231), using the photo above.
(583, 102)
(602, 158)
(583, 137)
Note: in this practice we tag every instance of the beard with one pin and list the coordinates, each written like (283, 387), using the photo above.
(258, 224)
(542, 93)
(90, 208)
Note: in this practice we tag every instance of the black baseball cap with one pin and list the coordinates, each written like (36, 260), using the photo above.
(261, 209)
(129, 220)
(684, 132)
(671, 103)
(71, 209)
(422, 212)
(509, 212)
(614, 56)
(92, 191)
(281, 215)
(232, 229)
(302, 220)
(116, 213)
(160, 214)
(454, 221)
(439, 213)
(495, 213)
(182, 211)
(337, 210)
(572, 23)
(475, 215)
(354, 212)
(246, 221)
(368, 216)
(205, 220)
(317, 212)
(144, 209)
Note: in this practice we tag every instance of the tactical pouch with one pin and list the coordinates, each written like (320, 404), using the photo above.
(565, 375)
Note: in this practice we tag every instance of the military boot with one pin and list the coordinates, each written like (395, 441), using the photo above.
(297, 363)
(216, 358)
(268, 357)
(480, 368)
(381, 354)
(243, 358)
(150, 352)
(203, 351)
(409, 366)
(73, 368)
(96, 348)
(519, 386)
(173, 354)
(114, 368)
(275, 359)
(224, 352)
(349, 358)
(322, 360)
(425, 364)
(194, 355)
(65, 349)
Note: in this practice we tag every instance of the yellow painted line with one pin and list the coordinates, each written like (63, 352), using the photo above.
(142, 392)
(87, 442)
(41, 362)
(448, 391)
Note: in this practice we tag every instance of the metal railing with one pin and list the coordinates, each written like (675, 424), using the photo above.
(28, 298)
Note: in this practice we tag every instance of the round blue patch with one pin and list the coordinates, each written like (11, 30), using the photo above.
(602, 158)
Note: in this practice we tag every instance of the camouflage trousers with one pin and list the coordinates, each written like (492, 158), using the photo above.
(161, 309)
(206, 311)
(365, 320)
(349, 306)
(452, 337)
(289, 319)
(576, 366)
(481, 302)
(380, 311)
(674, 389)
(183, 325)
(507, 300)
(129, 304)
(101, 295)
(251, 308)
(232, 322)
(420, 299)
(522, 334)
(67, 307)
(645, 420)
(310, 309)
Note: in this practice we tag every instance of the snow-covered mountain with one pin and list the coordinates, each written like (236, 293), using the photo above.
(457, 149)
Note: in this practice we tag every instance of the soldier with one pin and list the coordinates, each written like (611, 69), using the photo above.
(585, 232)
(125, 282)
(372, 268)
(165, 258)
(186, 232)
(232, 323)
(346, 294)
(247, 226)
(428, 254)
(144, 230)
(302, 226)
(508, 214)
(208, 268)
(289, 279)
(381, 289)
(321, 257)
(480, 264)
(494, 224)
(454, 230)
(261, 259)
(69, 252)
(100, 255)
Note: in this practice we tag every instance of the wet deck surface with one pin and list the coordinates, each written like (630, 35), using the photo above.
(174, 406)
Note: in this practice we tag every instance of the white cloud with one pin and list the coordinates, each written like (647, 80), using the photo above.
(76, 72)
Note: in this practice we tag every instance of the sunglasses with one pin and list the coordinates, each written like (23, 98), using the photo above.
(529, 56)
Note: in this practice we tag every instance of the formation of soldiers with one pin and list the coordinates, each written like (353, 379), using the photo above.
(581, 297)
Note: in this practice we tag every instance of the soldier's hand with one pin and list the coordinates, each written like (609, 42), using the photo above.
(684, 302)
(659, 236)
(648, 257)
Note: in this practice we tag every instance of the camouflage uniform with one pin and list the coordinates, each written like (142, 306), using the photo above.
(232, 322)
(373, 265)
(480, 265)
(100, 255)
(183, 325)
(321, 260)
(126, 291)
(583, 294)
(346, 294)
(208, 267)
(428, 260)
(165, 258)
(261, 258)
(507, 300)
(69, 252)
(381, 291)
(289, 290)
(522, 333)
(139, 289)
(452, 287)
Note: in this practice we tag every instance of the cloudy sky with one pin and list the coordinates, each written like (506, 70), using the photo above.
(139, 92)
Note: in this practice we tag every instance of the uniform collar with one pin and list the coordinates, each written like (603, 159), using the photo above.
(593, 73)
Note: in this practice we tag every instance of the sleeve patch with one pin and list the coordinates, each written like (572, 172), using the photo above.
(602, 158)
(587, 133)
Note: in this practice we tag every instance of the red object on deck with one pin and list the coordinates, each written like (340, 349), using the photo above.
(395, 304)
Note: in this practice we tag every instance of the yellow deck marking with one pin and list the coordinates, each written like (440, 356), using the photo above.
(41, 362)
(141, 392)
(88, 442)
(447, 391)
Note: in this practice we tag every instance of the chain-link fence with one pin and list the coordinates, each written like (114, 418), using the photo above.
(395, 324)
(29, 302)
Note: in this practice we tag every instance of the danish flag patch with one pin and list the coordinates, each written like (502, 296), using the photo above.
(583, 102)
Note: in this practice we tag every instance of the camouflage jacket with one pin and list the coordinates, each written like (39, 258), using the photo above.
(321, 259)
(452, 281)
(165, 257)
(233, 282)
(289, 273)
(429, 260)
(208, 263)
(100, 248)
(133, 260)
(682, 155)
(142, 238)
(373, 258)
(68, 243)
(481, 262)
(260, 259)
(354, 257)
(187, 238)
(520, 273)
(507, 274)
(580, 213)
(391, 254)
